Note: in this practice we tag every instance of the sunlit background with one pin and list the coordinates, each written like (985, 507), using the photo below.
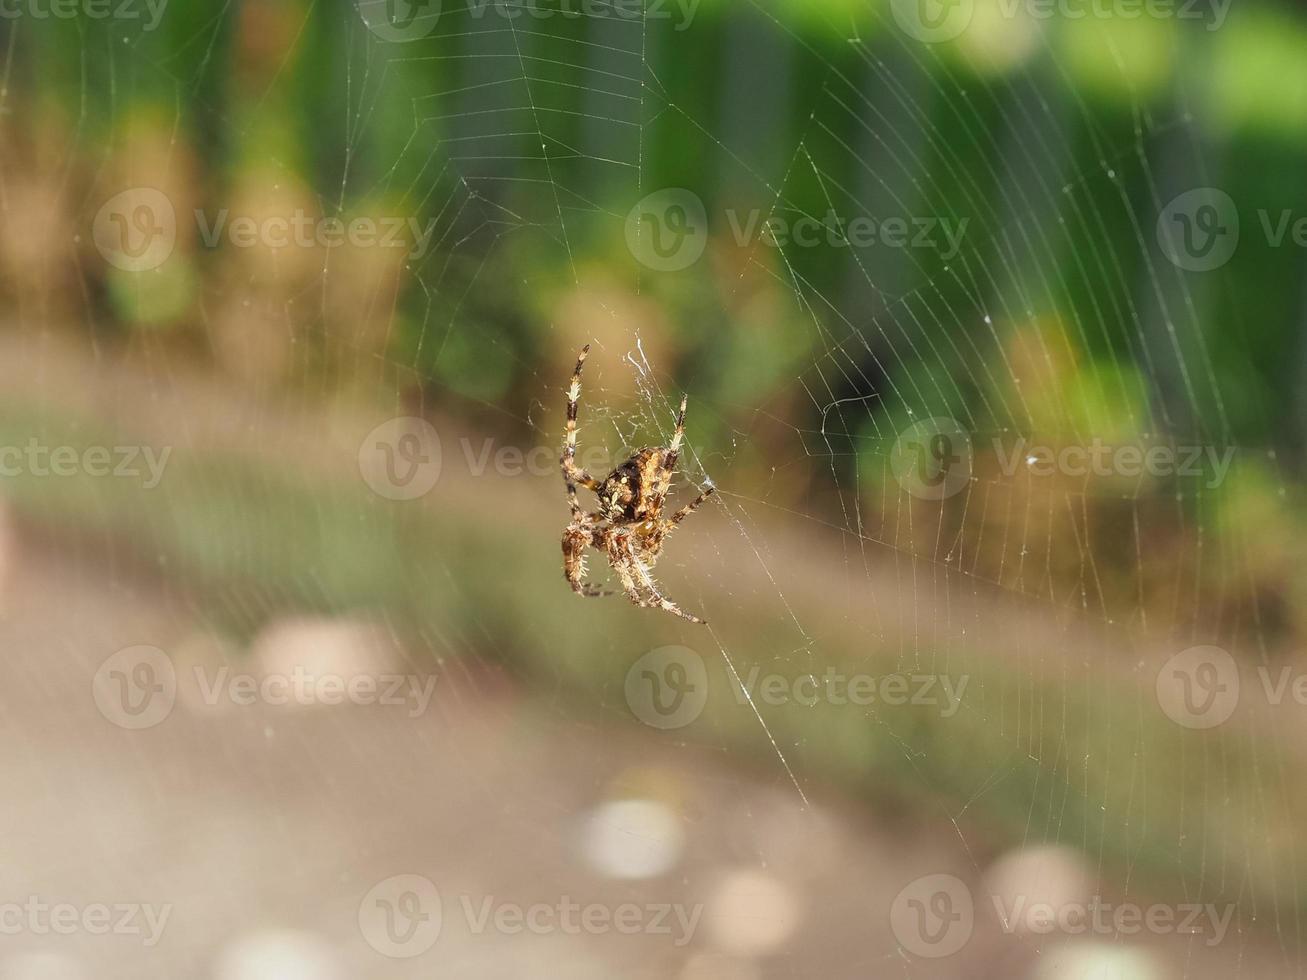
(990, 315)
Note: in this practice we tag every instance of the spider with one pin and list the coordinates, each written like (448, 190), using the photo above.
(628, 528)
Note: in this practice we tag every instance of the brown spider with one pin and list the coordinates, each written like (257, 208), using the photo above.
(628, 527)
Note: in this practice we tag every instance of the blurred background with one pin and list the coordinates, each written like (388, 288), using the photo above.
(990, 314)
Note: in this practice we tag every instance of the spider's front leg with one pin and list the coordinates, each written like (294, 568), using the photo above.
(575, 540)
(573, 475)
(689, 508)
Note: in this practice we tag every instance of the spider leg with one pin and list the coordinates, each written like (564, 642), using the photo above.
(674, 450)
(689, 508)
(573, 475)
(620, 557)
(656, 598)
(575, 540)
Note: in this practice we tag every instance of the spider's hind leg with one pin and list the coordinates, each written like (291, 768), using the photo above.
(630, 568)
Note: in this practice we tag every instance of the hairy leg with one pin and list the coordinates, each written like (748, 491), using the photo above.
(573, 475)
(655, 598)
(689, 508)
(674, 450)
(575, 540)
(623, 562)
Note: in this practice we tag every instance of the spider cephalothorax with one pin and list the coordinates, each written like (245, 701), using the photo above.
(628, 528)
